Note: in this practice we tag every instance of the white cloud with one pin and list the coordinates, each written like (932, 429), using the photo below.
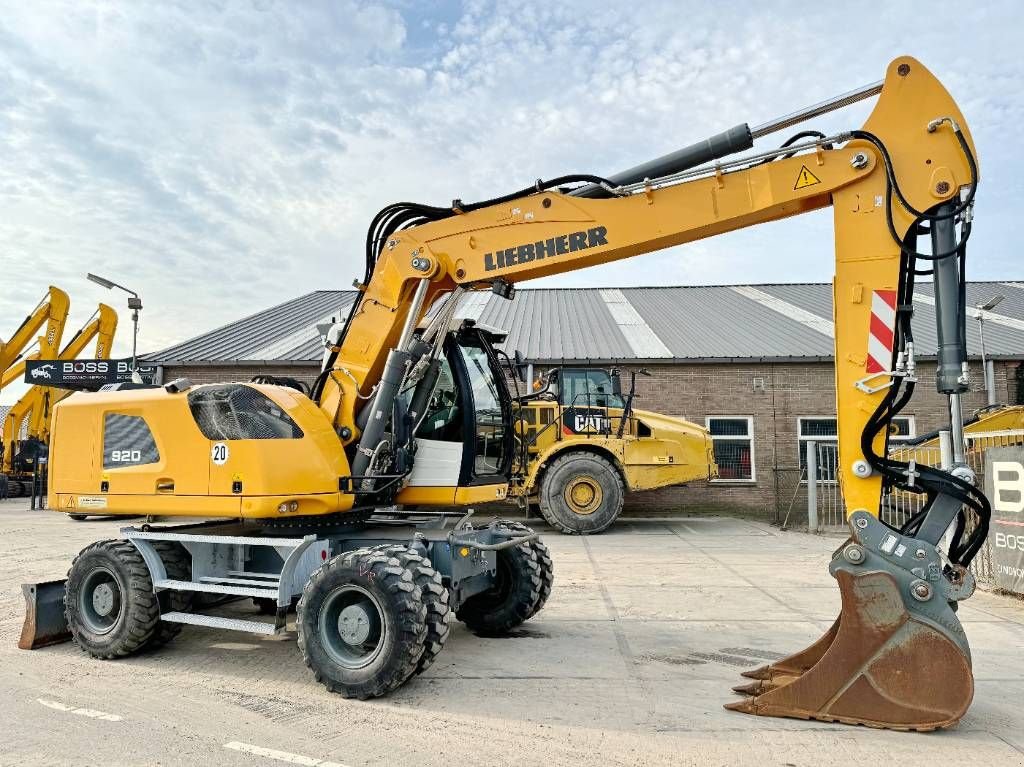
(219, 158)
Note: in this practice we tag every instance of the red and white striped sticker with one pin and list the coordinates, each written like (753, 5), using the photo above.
(882, 333)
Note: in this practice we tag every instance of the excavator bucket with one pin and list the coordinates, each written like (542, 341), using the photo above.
(896, 657)
(45, 623)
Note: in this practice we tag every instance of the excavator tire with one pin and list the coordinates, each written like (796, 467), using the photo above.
(522, 585)
(581, 493)
(435, 597)
(109, 602)
(362, 623)
(178, 563)
(544, 561)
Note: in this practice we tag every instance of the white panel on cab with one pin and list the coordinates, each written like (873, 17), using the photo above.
(437, 463)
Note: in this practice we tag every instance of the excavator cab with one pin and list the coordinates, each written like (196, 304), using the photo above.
(464, 432)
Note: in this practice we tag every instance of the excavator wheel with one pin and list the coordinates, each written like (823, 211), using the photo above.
(896, 657)
(178, 563)
(435, 597)
(581, 493)
(109, 602)
(544, 562)
(522, 584)
(362, 623)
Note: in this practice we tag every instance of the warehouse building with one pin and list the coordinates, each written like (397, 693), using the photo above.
(752, 363)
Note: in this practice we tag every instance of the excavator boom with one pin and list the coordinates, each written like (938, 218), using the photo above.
(51, 313)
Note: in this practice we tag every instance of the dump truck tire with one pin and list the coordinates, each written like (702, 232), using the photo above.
(514, 598)
(362, 624)
(109, 603)
(178, 564)
(435, 598)
(581, 493)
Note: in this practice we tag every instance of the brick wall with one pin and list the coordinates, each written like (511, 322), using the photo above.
(790, 390)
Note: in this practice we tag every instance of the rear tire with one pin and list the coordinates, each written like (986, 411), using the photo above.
(522, 585)
(581, 494)
(178, 564)
(362, 624)
(109, 602)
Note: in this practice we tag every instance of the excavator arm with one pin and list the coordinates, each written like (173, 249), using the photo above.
(909, 171)
(51, 313)
(36, 404)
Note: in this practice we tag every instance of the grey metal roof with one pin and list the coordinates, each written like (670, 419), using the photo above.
(284, 333)
(654, 324)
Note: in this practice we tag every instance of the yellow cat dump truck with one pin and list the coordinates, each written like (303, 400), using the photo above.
(304, 489)
(581, 446)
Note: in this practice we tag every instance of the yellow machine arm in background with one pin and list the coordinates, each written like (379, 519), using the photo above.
(36, 403)
(52, 312)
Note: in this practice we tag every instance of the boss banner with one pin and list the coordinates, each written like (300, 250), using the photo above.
(83, 375)
(1004, 485)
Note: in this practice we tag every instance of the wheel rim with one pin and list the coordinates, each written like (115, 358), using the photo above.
(352, 626)
(100, 601)
(583, 495)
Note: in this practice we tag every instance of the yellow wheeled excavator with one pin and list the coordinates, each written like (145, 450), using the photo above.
(307, 487)
(19, 452)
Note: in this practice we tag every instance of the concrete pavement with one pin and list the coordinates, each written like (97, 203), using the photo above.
(647, 630)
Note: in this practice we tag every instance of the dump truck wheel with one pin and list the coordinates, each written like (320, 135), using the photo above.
(109, 602)
(362, 624)
(581, 493)
(514, 597)
(435, 597)
(178, 564)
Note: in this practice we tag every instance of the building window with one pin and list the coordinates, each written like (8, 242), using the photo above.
(823, 431)
(733, 440)
(902, 429)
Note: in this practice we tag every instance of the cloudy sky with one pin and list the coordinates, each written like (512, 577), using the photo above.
(222, 156)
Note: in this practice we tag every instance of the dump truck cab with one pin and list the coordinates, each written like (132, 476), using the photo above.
(581, 445)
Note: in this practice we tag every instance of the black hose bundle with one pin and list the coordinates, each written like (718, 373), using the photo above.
(928, 480)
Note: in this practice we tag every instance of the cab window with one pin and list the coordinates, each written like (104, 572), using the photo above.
(587, 388)
(489, 417)
(443, 417)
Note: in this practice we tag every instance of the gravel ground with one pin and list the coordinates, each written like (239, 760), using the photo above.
(629, 664)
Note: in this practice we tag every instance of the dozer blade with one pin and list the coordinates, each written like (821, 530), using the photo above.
(45, 623)
(896, 657)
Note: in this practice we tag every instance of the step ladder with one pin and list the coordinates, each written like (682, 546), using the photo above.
(218, 567)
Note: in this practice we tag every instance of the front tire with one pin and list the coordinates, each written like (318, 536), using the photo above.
(362, 623)
(581, 494)
(109, 602)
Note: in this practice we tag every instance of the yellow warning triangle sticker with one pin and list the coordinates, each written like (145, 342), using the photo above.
(805, 178)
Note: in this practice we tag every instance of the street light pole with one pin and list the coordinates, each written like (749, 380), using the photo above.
(987, 375)
(134, 303)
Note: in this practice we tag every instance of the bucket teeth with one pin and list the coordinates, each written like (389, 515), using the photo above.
(754, 688)
(764, 672)
(879, 665)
